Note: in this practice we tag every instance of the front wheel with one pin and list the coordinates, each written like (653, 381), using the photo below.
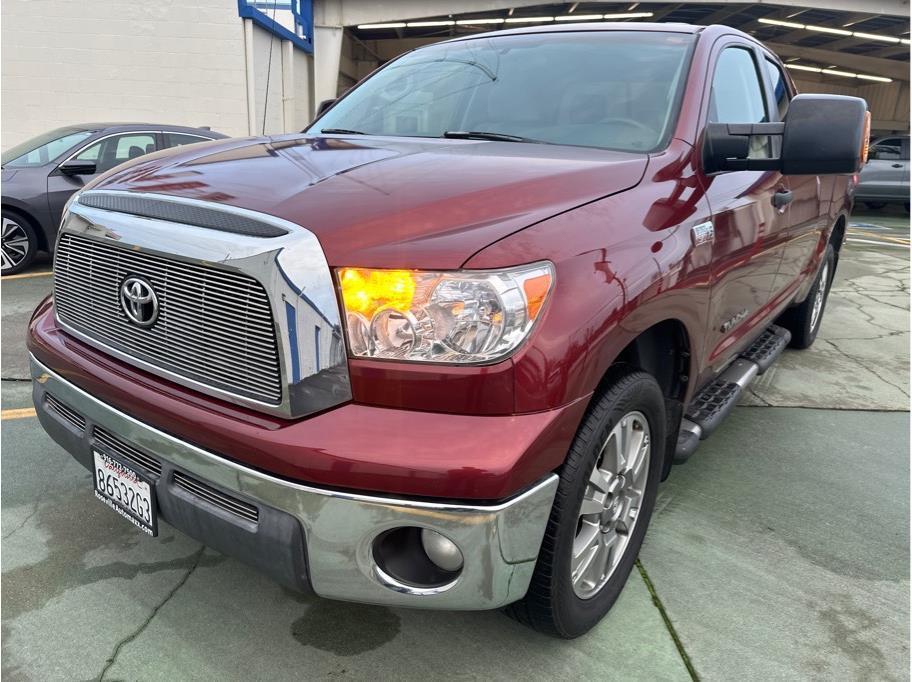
(601, 510)
(19, 244)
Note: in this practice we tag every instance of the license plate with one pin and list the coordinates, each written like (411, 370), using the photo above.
(126, 492)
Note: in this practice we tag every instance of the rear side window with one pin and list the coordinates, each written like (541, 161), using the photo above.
(179, 139)
(780, 87)
(737, 95)
(890, 149)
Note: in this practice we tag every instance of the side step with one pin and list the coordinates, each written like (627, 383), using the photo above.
(714, 403)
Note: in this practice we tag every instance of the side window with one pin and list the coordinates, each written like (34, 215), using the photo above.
(180, 139)
(780, 87)
(887, 150)
(132, 146)
(113, 151)
(737, 96)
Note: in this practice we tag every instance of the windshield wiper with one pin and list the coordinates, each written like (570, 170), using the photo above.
(481, 135)
(341, 131)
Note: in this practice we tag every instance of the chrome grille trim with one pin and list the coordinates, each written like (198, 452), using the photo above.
(121, 449)
(66, 413)
(215, 326)
(292, 326)
(217, 498)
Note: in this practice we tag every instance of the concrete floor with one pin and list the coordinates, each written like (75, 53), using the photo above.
(780, 551)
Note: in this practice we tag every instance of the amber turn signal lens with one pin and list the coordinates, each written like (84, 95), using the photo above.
(366, 291)
(536, 290)
(865, 140)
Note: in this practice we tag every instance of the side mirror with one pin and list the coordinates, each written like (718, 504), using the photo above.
(77, 167)
(821, 135)
(324, 105)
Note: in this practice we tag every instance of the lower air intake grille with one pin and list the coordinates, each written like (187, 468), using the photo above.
(120, 449)
(232, 505)
(68, 414)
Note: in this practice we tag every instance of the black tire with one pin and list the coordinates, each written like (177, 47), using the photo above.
(551, 605)
(800, 319)
(875, 205)
(17, 255)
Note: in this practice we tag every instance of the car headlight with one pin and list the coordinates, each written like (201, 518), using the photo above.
(447, 317)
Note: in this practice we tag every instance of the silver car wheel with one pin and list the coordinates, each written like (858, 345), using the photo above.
(820, 295)
(14, 246)
(611, 504)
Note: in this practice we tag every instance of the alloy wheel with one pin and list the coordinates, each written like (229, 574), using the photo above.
(820, 295)
(611, 504)
(15, 245)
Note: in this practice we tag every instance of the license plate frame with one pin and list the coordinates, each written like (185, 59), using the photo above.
(132, 494)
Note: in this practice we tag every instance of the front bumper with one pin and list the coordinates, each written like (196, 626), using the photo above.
(307, 537)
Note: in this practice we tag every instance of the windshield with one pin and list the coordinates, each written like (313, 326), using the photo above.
(39, 150)
(611, 89)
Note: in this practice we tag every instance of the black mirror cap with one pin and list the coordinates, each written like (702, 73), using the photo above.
(324, 105)
(76, 167)
(825, 134)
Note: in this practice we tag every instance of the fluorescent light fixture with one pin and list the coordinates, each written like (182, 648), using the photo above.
(784, 24)
(836, 72)
(802, 67)
(529, 20)
(579, 17)
(904, 41)
(466, 22)
(875, 36)
(827, 29)
(395, 24)
(416, 24)
(628, 15)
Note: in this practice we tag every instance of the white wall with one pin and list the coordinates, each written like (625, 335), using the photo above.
(76, 61)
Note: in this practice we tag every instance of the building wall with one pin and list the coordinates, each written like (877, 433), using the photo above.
(168, 61)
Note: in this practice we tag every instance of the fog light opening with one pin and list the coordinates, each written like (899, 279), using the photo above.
(418, 557)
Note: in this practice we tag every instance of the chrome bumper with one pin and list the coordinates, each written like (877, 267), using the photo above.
(500, 542)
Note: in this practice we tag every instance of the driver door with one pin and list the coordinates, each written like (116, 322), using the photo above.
(107, 153)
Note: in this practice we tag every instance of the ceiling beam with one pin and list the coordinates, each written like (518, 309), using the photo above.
(823, 57)
(346, 13)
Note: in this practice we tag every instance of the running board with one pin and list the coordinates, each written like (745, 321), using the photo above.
(714, 403)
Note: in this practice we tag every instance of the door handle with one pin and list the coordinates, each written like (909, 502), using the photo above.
(897, 165)
(782, 198)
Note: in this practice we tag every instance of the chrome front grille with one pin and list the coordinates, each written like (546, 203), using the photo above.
(215, 497)
(117, 447)
(65, 412)
(214, 327)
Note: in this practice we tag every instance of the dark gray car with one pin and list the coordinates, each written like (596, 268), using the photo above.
(885, 177)
(40, 175)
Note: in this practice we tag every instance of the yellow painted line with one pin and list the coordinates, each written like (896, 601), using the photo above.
(19, 413)
(877, 235)
(26, 275)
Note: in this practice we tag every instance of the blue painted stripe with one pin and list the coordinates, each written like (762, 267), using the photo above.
(292, 320)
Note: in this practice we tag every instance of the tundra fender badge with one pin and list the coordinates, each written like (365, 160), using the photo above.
(703, 233)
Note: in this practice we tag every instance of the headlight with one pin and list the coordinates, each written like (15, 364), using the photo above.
(466, 316)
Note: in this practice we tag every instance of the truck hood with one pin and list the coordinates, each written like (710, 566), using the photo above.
(389, 202)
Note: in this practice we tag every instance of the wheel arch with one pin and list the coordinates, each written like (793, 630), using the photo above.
(663, 350)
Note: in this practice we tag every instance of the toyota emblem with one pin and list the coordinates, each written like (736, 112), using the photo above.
(138, 300)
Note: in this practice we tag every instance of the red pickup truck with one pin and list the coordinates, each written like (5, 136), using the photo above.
(439, 349)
